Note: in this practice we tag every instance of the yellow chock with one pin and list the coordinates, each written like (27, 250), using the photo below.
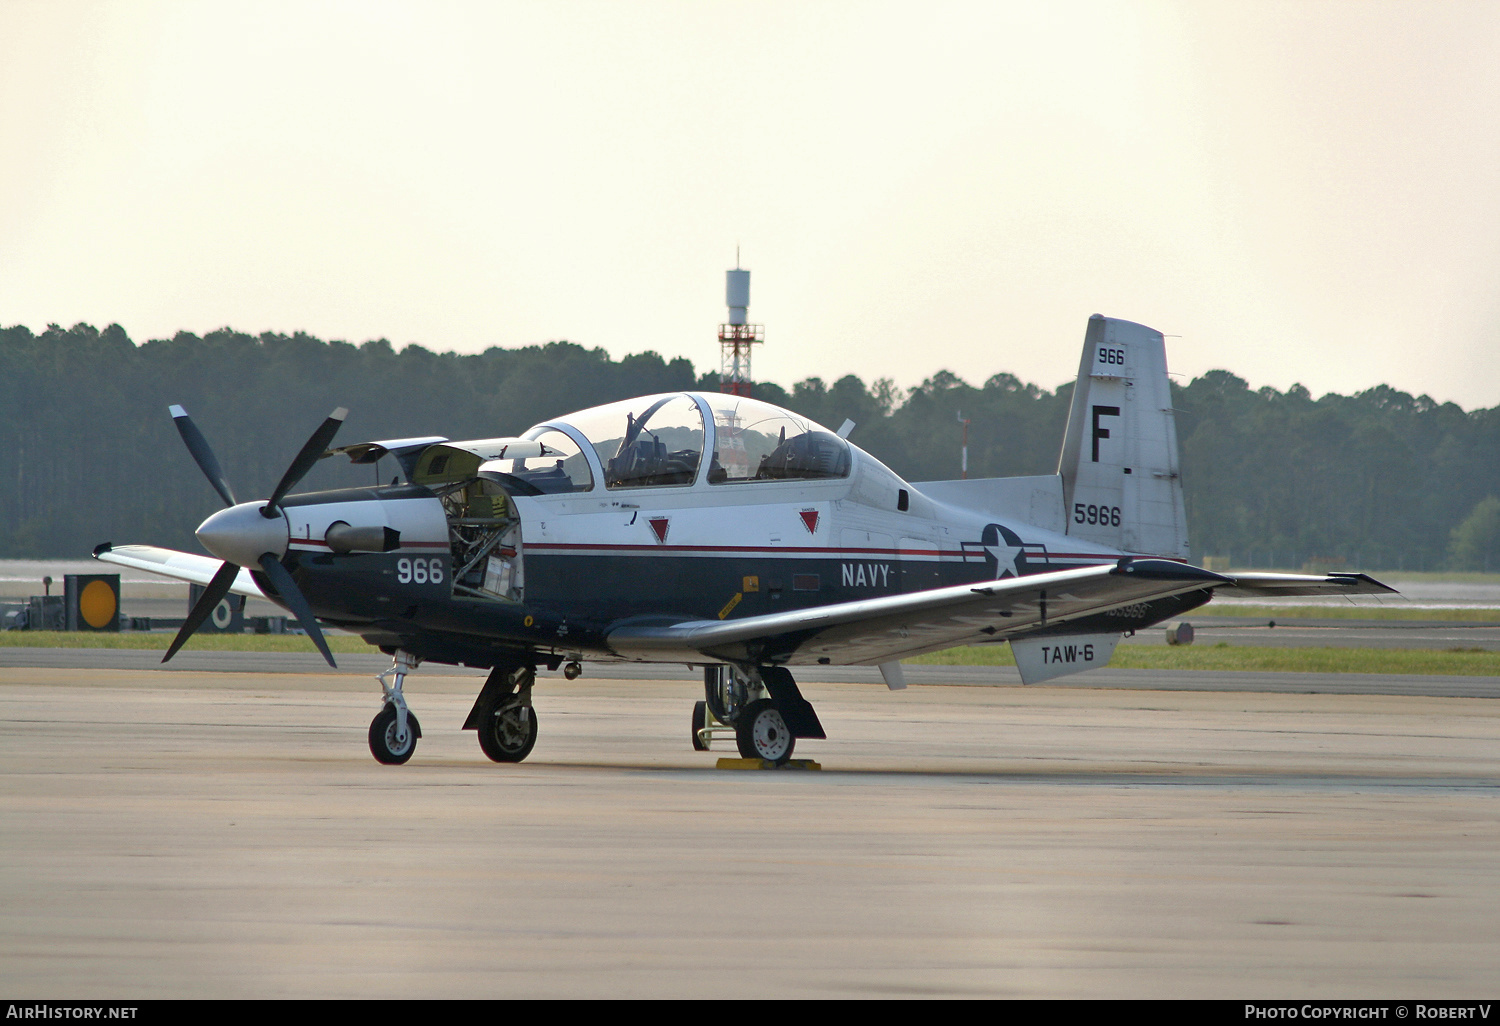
(767, 764)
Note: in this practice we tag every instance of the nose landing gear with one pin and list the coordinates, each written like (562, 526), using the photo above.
(394, 731)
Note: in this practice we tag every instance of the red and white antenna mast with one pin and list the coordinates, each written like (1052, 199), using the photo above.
(736, 338)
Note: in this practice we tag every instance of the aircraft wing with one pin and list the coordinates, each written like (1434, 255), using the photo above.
(183, 566)
(873, 631)
(1285, 585)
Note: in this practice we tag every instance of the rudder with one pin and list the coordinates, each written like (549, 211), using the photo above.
(1120, 467)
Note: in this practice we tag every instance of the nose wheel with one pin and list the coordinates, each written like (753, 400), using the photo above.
(388, 742)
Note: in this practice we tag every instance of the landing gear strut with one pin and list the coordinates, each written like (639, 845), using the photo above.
(726, 690)
(761, 706)
(394, 730)
(503, 714)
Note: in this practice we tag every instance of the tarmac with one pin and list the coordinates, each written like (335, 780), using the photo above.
(220, 830)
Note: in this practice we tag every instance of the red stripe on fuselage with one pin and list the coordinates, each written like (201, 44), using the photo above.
(937, 554)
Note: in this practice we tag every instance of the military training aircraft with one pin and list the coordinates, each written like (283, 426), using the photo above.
(719, 531)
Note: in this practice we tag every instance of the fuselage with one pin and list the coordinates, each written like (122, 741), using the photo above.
(681, 507)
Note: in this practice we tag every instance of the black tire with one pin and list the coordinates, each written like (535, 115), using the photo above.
(506, 737)
(383, 743)
(761, 733)
(700, 720)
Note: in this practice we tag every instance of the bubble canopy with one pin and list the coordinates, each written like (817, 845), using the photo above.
(661, 441)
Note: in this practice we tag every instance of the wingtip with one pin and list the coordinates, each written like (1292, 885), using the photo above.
(176, 411)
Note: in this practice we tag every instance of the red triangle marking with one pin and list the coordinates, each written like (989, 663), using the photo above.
(809, 520)
(659, 525)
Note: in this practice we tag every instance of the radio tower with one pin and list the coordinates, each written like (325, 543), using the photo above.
(736, 337)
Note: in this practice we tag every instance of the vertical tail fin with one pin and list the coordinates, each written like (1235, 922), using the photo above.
(1119, 466)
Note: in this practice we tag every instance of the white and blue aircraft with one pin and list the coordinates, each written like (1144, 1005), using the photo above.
(722, 532)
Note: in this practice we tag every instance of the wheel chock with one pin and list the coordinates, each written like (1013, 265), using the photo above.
(767, 764)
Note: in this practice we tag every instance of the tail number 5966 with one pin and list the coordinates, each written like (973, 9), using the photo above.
(419, 571)
(1091, 514)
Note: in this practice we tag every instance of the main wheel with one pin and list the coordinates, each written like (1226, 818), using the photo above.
(761, 733)
(510, 735)
(385, 745)
(700, 720)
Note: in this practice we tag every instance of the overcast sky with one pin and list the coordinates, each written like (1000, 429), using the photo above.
(1303, 192)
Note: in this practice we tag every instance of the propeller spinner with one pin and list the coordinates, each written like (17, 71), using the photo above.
(251, 534)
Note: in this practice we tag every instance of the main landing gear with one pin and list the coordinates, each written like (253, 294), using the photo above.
(761, 706)
(394, 730)
(503, 714)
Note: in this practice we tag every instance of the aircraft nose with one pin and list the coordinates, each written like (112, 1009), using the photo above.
(240, 534)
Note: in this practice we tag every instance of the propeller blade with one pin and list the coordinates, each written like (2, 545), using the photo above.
(202, 454)
(212, 595)
(292, 596)
(312, 451)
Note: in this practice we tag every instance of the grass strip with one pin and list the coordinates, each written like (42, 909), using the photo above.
(200, 642)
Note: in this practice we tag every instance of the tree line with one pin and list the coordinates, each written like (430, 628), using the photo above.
(1380, 479)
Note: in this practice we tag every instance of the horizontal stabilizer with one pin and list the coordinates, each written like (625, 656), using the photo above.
(1287, 585)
